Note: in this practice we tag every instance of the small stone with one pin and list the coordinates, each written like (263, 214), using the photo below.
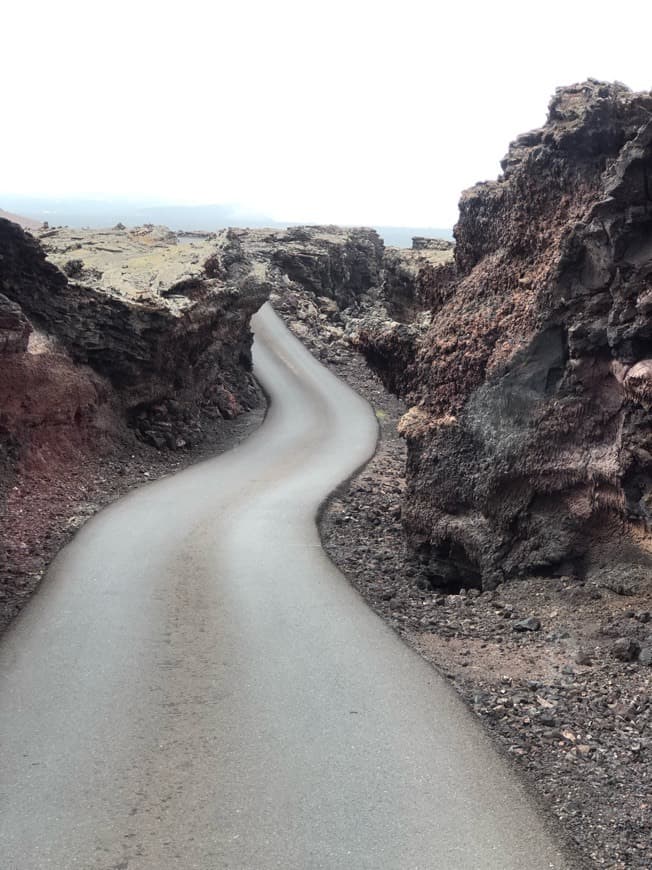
(625, 649)
(551, 734)
(645, 656)
(529, 624)
(582, 657)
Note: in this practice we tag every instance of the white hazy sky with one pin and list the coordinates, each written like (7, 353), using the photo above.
(359, 111)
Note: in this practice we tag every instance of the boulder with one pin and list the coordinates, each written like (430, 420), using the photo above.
(530, 437)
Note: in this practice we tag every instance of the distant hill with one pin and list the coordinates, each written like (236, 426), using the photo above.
(96, 214)
(107, 213)
(25, 222)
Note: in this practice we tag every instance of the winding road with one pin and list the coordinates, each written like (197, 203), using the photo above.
(195, 685)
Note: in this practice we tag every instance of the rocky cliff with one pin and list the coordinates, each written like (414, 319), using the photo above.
(529, 437)
(145, 312)
(44, 396)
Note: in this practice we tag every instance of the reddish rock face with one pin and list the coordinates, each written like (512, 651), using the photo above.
(46, 401)
(168, 355)
(56, 417)
(530, 445)
(86, 370)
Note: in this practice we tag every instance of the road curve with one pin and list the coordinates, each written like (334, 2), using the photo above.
(196, 686)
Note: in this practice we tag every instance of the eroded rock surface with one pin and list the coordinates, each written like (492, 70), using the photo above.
(529, 437)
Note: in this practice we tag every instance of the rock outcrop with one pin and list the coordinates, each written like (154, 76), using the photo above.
(530, 437)
(143, 312)
(330, 261)
(45, 398)
(421, 243)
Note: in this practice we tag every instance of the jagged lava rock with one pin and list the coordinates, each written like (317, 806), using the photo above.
(49, 405)
(143, 311)
(331, 261)
(529, 443)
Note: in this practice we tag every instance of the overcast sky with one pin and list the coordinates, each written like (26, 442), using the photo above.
(351, 112)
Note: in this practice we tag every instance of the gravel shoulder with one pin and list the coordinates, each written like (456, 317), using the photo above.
(557, 671)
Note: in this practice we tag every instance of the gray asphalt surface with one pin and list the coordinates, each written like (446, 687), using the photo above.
(196, 686)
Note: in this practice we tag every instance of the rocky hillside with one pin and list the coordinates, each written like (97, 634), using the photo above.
(530, 375)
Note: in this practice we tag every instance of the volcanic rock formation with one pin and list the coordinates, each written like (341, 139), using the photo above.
(44, 397)
(172, 337)
(529, 439)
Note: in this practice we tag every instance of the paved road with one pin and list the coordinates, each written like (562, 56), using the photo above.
(196, 686)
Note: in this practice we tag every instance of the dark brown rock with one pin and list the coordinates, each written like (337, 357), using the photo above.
(530, 437)
(626, 649)
(152, 346)
(15, 329)
(330, 261)
(531, 623)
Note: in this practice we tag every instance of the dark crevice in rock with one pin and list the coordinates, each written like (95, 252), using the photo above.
(447, 568)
